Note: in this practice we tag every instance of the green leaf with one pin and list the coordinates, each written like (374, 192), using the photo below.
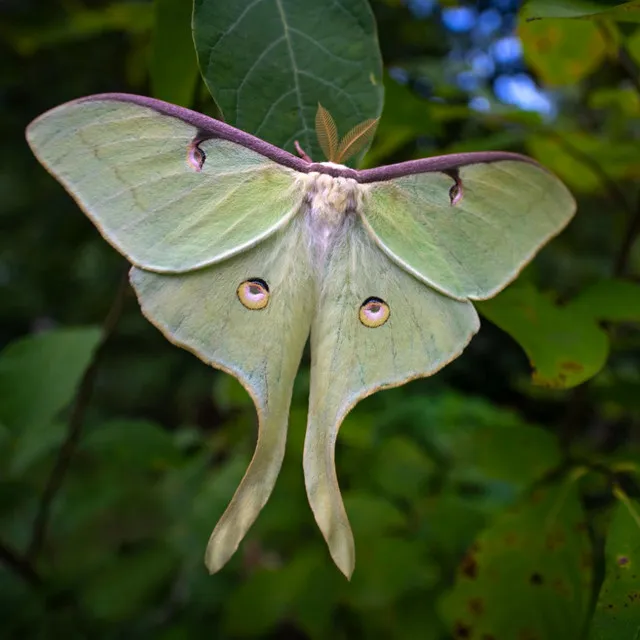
(131, 443)
(564, 347)
(617, 613)
(633, 45)
(401, 469)
(610, 301)
(517, 455)
(32, 445)
(450, 524)
(574, 155)
(269, 595)
(174, 67)
(623, 11)
(472, 439)
(39, 374)
(269, 63)
(528, 575)
(371, 515)
(83, 24)
(625, 100)
(562, 52)
(128, 583)
(388, 567)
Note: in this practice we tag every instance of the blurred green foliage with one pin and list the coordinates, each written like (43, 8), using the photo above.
(486, 503)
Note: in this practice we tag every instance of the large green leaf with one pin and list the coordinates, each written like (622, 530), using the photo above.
(174, 67)
(617, 613)
(564, 346)
(528, 575)
(39, 374)
(268, 63)
(622, 11)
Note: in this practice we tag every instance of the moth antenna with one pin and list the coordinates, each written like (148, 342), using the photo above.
(301, 152)
(327, 133)
(356, 139)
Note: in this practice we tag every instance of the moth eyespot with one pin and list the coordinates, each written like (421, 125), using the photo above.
(374, 312)
(254, 294)
(196, 157)
(455, 194)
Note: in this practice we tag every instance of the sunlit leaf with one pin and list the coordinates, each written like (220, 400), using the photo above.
(564, 347)
(562, 52)
(622, 11)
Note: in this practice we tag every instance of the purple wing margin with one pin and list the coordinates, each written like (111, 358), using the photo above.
(209, 128)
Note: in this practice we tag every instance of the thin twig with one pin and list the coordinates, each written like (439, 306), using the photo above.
(630, 236)
(20, 566)
(629, 65)
(74, 430)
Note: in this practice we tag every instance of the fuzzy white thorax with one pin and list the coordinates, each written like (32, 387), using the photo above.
(329, 198)
(330, 202)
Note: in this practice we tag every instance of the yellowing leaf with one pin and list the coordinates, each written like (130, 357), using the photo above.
(562, 52)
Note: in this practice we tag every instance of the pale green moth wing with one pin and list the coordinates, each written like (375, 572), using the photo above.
(352, 358)
(203, 312)
(468, 231)
(241, 249)
(160, 183)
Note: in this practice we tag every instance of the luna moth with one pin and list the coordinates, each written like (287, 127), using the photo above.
(241, 252)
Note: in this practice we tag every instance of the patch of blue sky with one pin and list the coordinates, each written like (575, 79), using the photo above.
(421, 8)
(480, 103)
(459, 19)
(481, 63)
(488, 22)
(507, 50)
(520, 90)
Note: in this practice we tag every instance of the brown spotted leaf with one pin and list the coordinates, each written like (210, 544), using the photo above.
(617, 613)
(356, 139)
(528, 576)
(565, 346)
(327, 133)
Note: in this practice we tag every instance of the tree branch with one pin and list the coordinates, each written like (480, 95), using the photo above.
(76, 421)
(630, 236)
(21, 567)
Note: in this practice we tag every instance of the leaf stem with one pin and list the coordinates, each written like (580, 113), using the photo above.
(76, 421)
(20, 566)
